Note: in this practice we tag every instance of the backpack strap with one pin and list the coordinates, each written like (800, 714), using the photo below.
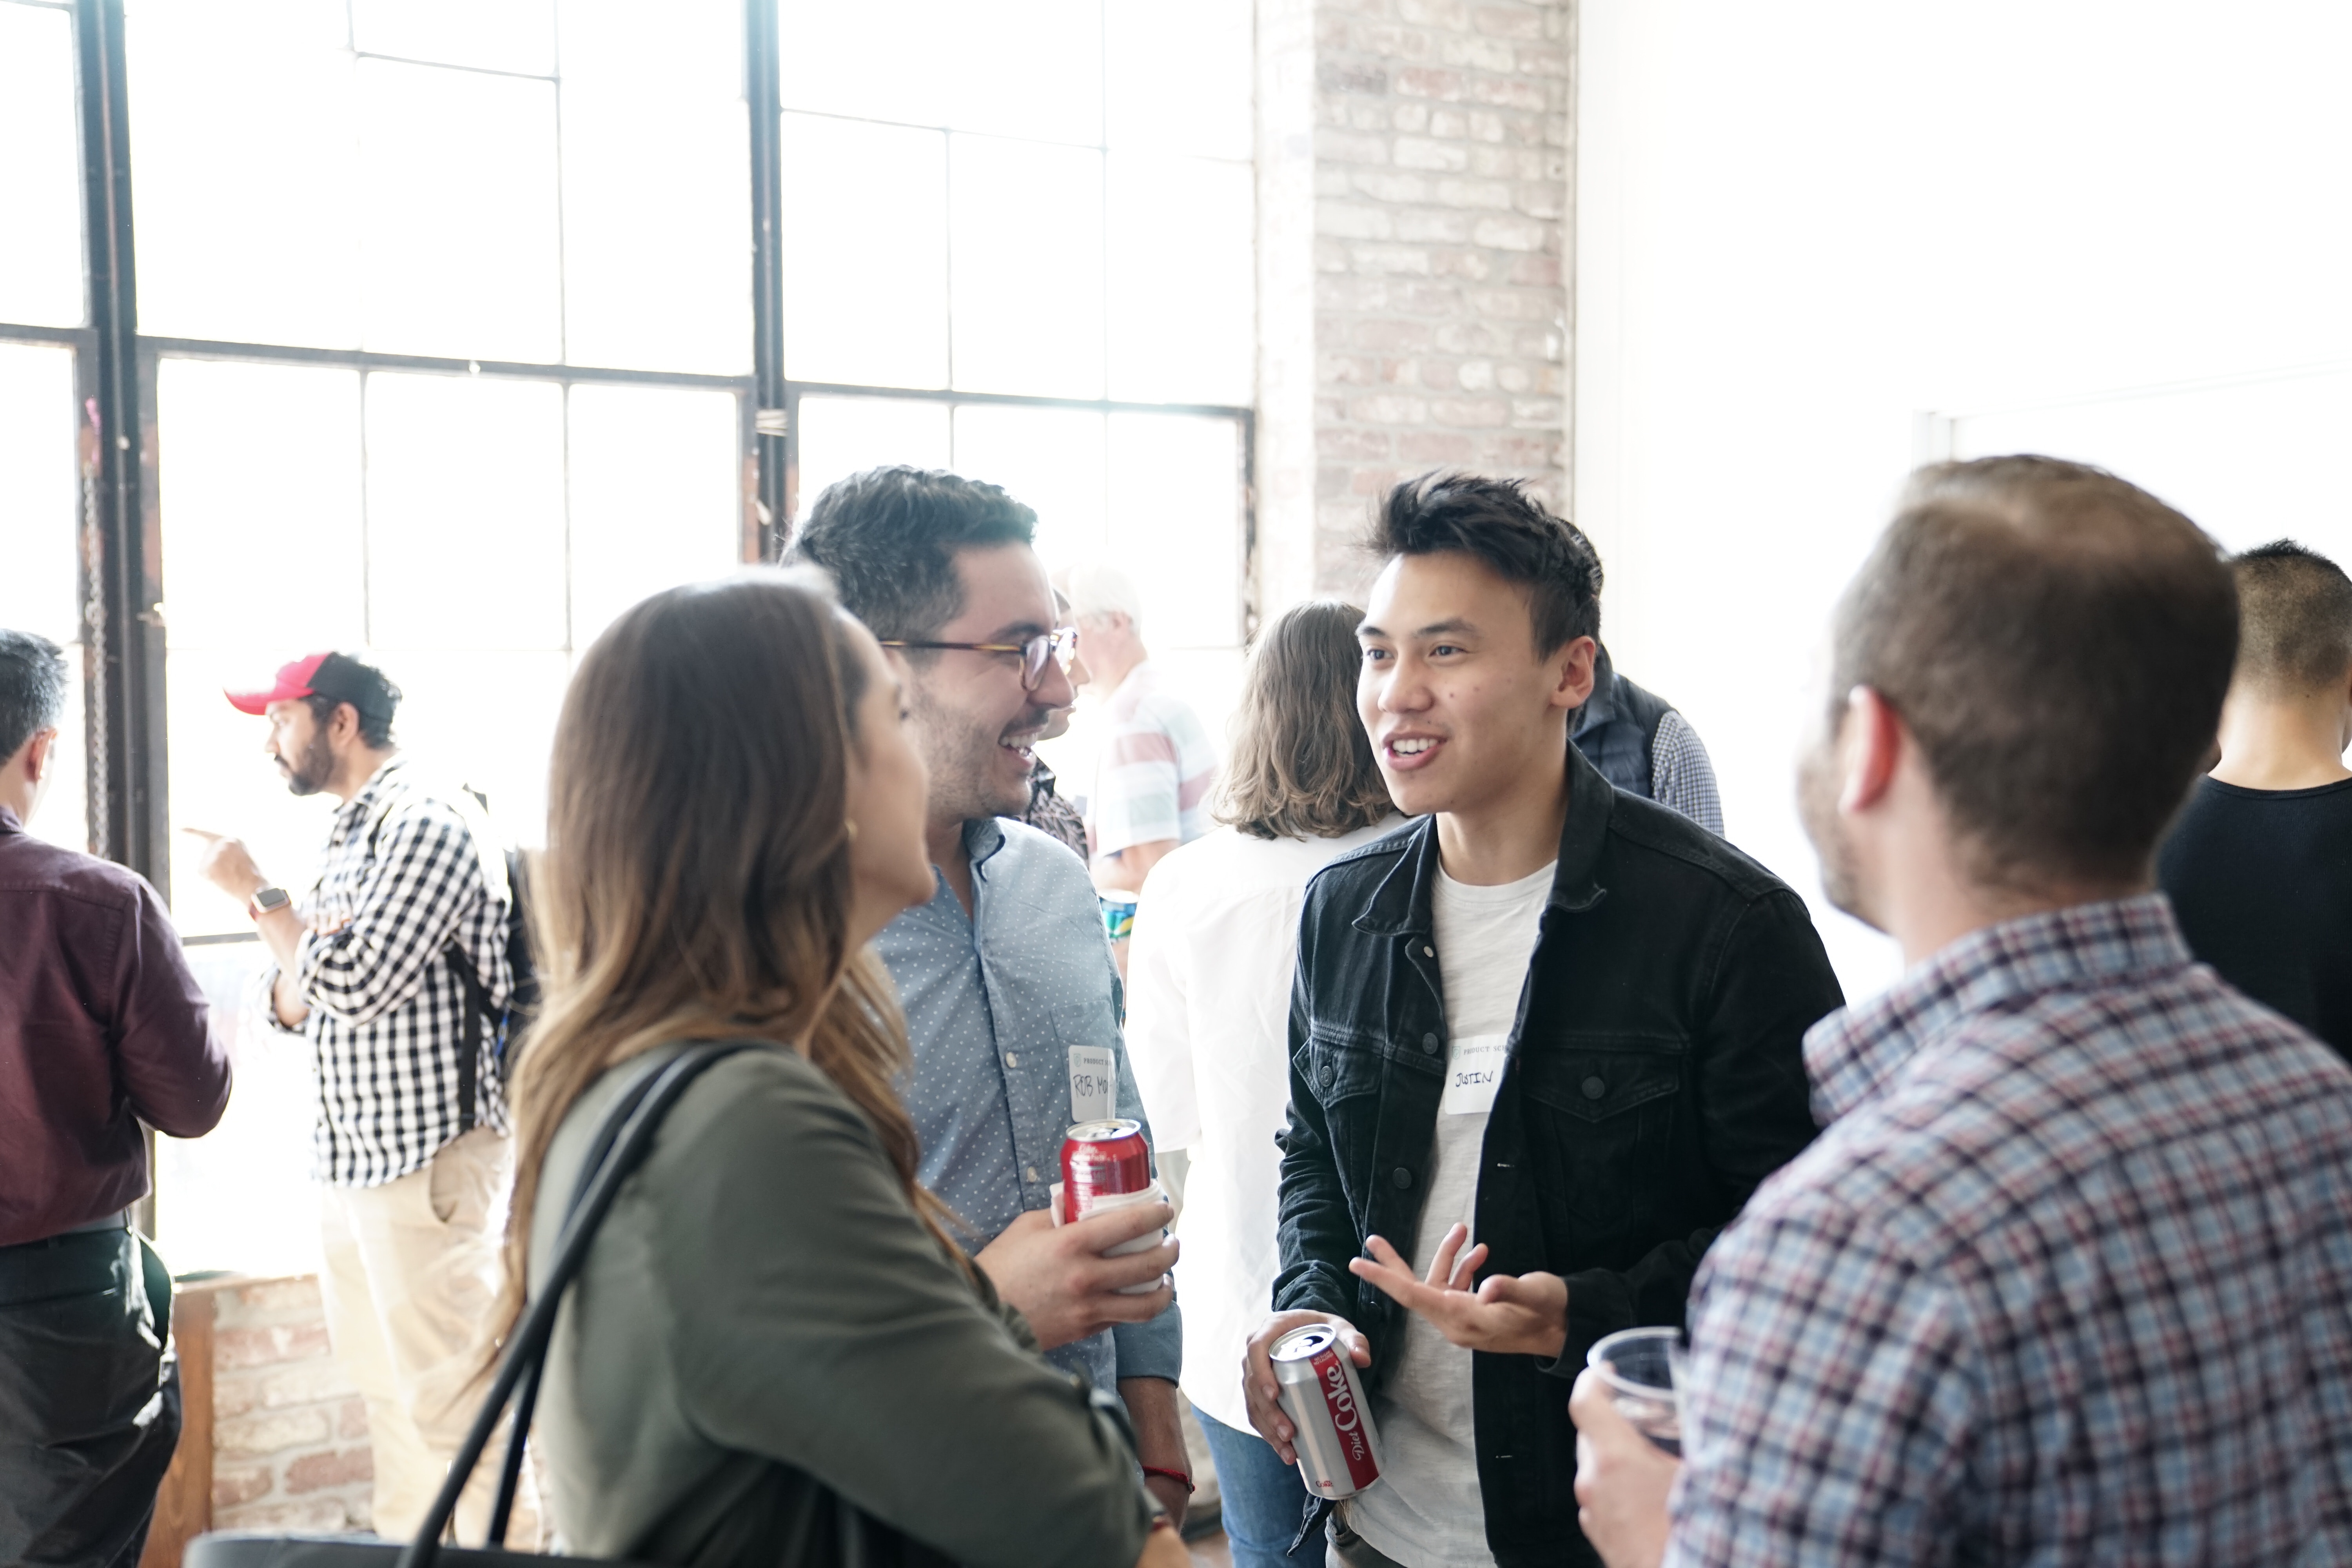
(627, 1131)
(469, 1033)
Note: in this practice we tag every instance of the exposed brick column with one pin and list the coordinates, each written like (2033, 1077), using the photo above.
(290, 1436)
(1427, 323)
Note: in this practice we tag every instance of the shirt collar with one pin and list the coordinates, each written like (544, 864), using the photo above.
(1400, 901)
(1857, 1053)
(354, 810)
(8, 823)
(982, 838)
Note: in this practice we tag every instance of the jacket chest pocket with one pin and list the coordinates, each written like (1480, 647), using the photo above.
(1601, 1122)
(1346, 1075)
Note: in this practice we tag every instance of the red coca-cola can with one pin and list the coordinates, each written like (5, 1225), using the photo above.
(1338, 1448)
(1102, 1159)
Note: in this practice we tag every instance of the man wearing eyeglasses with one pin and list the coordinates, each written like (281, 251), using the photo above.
(1005, 976)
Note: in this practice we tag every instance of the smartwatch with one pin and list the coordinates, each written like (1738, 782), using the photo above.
(267, 900)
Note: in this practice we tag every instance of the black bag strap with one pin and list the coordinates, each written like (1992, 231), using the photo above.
(623, 1140)
(469, 1034)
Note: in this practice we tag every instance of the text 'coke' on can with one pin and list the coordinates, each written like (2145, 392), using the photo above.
(1102, 1159)
(1338, 1448)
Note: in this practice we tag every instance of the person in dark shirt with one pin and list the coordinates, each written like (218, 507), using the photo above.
(101, 1029)
(2259, 868)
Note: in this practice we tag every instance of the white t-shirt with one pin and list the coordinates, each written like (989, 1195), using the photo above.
(1426, 1510)
(1208, 1031)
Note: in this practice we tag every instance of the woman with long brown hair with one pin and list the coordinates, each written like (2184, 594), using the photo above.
(1216, 937)
(775, 1343)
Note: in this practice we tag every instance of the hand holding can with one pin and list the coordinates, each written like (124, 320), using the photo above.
(1338, 1445)
(1106, 1165)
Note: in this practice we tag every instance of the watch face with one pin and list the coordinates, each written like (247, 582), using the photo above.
(272, 898)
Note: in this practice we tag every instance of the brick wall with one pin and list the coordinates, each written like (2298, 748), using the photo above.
(289, 1434)
(1425, 323)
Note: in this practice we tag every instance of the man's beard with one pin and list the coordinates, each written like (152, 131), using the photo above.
(310, 775)
(1817, 803)
(962, 760)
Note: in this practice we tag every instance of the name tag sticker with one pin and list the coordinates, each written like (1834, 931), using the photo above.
(1090, 1083)
(1473, 1072)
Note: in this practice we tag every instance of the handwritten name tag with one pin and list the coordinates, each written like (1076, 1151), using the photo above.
(1091, 1083)
(1473, 1072)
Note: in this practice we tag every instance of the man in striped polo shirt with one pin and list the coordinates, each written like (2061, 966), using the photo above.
(1156, 765)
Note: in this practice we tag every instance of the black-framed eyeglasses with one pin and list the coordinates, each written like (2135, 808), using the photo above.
(1059, 643)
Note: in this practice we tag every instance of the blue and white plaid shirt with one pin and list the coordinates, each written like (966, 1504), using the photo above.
(2069, 1279)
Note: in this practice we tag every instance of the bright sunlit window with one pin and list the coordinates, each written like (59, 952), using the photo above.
(1058, 215)
(444, 355)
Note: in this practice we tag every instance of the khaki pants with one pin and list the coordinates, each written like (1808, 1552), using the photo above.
(412, 1270)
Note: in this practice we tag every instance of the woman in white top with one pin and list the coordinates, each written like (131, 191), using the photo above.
(1216, 938)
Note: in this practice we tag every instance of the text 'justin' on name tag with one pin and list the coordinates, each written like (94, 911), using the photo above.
(1090, 1083)
(1473, 1073)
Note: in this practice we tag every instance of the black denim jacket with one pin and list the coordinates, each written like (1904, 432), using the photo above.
(1655, 1076)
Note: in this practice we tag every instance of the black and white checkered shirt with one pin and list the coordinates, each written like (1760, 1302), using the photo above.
(405, 869)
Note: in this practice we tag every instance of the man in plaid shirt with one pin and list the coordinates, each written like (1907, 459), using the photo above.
(2069, 1276)
(380, 964)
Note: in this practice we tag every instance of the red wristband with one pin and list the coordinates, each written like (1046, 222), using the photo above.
(1176, 1476)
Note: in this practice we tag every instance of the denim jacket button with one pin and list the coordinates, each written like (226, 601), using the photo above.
(1429, 1043)
(1401, 1177)
(1594, 1088)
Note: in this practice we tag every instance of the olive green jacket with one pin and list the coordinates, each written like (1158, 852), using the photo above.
(763, 1328)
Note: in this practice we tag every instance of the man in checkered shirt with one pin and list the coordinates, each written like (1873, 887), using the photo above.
(2069, 1276)
(374, 965)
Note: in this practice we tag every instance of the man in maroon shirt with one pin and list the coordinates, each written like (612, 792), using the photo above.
(101, 1029)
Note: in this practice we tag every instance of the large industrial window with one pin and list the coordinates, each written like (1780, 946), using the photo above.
(44, 348)
(1025, 252)
(450, 331)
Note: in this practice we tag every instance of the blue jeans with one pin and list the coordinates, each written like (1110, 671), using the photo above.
(1264, 1501)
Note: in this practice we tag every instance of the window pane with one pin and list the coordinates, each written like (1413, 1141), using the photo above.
(1051, 458)
(40, 491)
(464, 512)
(41, 185)
(1009, 68)
(1183, 315)
(1176, 523)
(872, 62)
(459, 249)
(1027, 226)
(866, 253)
(656, 168)
(247, 154)
(842, 435)
(493, 35)
(487, 719)
(656, 500)
(1179, 76)
(241, 1198)
(259, 495)
(1025, 67)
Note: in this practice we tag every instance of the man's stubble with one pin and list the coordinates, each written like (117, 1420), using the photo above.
(961, 755)
(1817, 805)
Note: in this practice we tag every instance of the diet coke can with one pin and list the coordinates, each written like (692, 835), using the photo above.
(1338, 1448)
(1103, 1160)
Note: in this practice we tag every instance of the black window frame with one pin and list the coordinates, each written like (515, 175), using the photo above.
(121, 589)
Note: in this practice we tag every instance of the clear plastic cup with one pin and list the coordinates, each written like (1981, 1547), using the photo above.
(1644, 1370)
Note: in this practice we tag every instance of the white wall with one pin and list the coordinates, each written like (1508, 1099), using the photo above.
(1801, 226)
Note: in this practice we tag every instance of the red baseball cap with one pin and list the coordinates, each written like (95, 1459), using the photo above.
(333, 675)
